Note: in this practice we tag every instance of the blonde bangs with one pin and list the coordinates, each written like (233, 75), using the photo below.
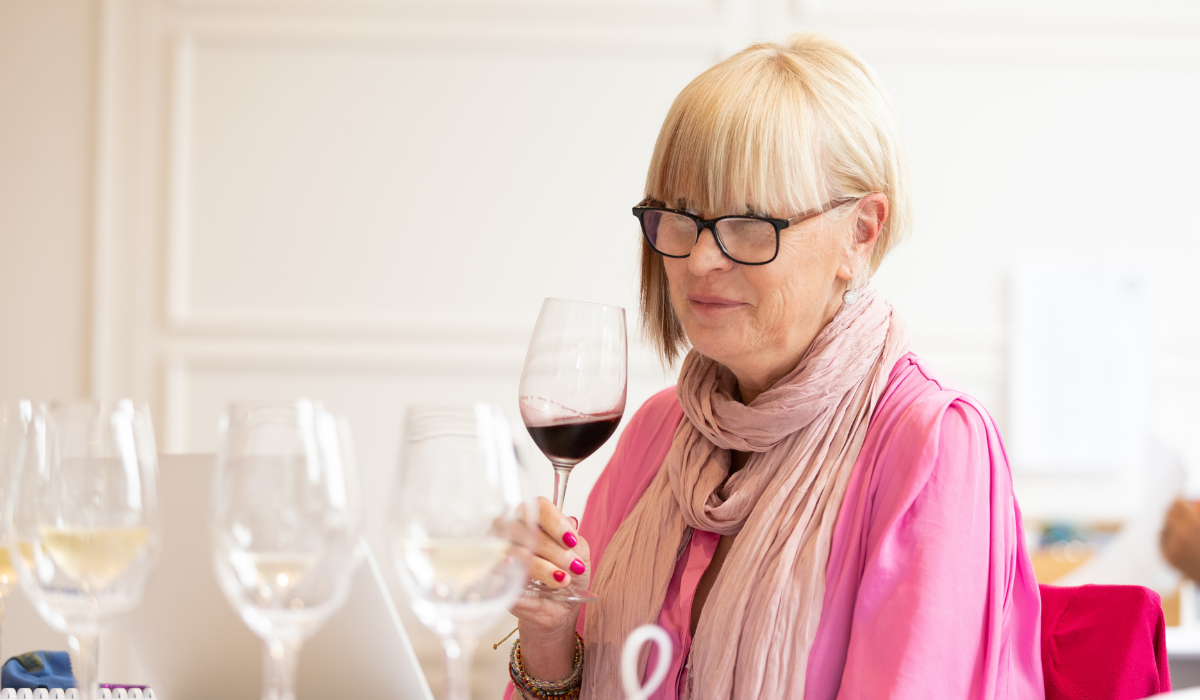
(742, 137)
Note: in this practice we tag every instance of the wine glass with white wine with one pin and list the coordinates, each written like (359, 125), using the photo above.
(457, 527)
(285, 525)
(85, 528)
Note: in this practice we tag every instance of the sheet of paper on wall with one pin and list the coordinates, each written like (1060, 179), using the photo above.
(1080, 359)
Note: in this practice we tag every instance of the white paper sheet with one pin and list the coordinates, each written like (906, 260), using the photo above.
(1079, 367)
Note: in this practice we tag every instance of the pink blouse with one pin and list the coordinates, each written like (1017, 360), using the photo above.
(929, 592)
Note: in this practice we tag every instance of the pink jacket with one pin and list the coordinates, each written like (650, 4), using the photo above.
(929, 592)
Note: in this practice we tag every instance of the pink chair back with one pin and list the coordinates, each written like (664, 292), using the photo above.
(1103, 643)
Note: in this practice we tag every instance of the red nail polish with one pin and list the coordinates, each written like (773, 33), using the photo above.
(570, 539)
(559, 576)
(577, 567)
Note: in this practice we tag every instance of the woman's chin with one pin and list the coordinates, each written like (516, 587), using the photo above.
(716, 344)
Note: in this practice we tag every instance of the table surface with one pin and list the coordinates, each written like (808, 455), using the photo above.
(1186, 694)
(1183, 642)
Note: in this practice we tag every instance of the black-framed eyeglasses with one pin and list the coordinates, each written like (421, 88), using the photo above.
(746, 240)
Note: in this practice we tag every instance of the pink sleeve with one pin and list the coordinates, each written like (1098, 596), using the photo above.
(935, 608)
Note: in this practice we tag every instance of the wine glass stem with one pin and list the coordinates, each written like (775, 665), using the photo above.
(561, 474)
(279, 669)
(85, 647)
(459, 650)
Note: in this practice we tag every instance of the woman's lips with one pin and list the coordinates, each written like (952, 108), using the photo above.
(707, 304)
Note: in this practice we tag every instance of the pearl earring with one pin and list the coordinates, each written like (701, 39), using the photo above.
(850, 298)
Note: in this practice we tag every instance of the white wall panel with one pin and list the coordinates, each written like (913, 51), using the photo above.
(383, 185)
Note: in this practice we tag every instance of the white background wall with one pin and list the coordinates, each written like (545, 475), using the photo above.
(366, 201)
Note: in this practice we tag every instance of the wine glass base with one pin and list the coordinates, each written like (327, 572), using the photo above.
(570, 594)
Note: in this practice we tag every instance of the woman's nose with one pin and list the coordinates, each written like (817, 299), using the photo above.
(707, 256)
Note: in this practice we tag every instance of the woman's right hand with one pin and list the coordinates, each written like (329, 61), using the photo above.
(558, 557)
(1181, 538)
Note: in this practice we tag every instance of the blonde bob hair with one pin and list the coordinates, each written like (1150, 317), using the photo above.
(776, 129)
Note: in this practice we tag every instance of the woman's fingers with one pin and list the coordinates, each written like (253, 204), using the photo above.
(558, 542)
(557, 525)
(549, 573)
(556, 553)
(567, 559)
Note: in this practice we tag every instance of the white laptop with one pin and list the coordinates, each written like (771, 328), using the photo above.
(193, 645)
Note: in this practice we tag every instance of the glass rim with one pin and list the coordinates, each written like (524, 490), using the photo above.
(244, 405)
(462, 419)
(102, 403)
(560, 300)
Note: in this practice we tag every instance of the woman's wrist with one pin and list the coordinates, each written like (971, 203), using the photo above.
(531, 688)
(547, 653)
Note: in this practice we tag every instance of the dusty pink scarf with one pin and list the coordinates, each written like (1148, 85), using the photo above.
(804, 433)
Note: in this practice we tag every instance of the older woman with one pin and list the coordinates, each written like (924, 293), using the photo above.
(811, 512)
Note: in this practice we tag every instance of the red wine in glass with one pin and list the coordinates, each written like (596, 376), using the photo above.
(572, 440)
(573, 391)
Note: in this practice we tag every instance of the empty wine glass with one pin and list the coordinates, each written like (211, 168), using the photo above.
(84, 526)
(286, 519)
(573, 394)
(456, 528)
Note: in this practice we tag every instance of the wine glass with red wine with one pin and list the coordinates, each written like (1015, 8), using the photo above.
(573, 392)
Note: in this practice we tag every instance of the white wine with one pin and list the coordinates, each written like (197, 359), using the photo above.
(94, 556)
(281, 571)
(8, 575)
(448, 567)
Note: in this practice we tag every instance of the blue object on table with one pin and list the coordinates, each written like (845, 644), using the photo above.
(38, 669)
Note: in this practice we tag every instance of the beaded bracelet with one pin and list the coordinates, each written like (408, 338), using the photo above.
(565, 689)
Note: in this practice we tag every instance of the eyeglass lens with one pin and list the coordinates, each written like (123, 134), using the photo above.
(746, 240)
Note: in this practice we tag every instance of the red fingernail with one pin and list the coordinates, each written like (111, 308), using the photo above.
(559, 576)
(570, 539)
(577, 567)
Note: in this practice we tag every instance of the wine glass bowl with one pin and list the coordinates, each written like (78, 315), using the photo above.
(84, 526)
(455, 527)
(572, 393)
(573, 385)
(285, 524)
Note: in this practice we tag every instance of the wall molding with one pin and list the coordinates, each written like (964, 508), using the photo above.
(179, 129)
(621, 11)
(1170, 18)
(182, 316)
(1161, 18)
(181, 362)
(103, 201)
(426, 329)
(1019, 48)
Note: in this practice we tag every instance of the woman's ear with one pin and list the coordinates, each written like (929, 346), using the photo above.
(869, 218)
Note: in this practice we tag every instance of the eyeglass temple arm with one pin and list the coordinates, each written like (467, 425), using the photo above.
(828, 206)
